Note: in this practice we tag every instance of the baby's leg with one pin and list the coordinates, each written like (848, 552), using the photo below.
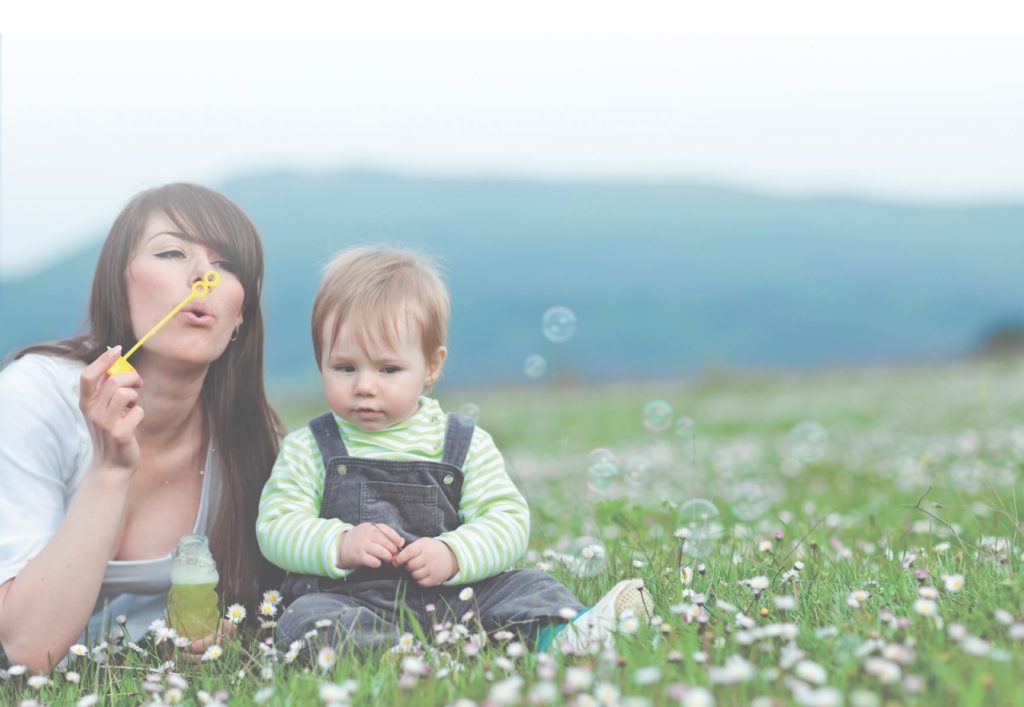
(345, 622)
(522, 601)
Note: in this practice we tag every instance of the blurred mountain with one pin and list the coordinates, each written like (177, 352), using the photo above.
(665, 277)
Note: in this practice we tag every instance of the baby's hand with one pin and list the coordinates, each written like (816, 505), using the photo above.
(429, 561)
(368, 545)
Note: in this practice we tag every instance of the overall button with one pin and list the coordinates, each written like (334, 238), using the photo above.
(448, 479)
(342, 469)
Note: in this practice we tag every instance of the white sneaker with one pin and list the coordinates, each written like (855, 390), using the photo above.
(619, 611)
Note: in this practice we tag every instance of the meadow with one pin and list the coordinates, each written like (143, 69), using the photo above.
(846, 537)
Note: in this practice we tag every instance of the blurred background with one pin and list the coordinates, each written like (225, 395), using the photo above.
(697, 204)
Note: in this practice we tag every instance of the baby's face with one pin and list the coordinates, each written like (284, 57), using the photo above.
(377, 385)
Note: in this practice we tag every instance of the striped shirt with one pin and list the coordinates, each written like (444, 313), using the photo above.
(495, 527)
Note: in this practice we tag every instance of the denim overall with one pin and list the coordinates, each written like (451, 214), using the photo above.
(372, 607)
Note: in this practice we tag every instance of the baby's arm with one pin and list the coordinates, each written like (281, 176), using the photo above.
(496, 519)
(289, 528)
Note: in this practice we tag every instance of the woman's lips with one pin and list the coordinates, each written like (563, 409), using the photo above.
(196, 319)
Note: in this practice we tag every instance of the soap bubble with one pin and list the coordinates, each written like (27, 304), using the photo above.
(808, 441)
(657, 415)
(750, 500)
(686, 428)
(585, 557)
(535, 366)
(559, 324)
(470, 410)
(601, 455)
(603, 473)
(698, 526)
(638, 470)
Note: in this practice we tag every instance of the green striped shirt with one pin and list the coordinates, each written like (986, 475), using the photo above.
(495, 519)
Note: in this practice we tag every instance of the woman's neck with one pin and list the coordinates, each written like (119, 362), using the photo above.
(171, 402)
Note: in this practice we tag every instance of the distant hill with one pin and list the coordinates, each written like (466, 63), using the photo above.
(664, 277)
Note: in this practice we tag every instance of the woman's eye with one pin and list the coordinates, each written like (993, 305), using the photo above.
(170, 254)
(224, 265)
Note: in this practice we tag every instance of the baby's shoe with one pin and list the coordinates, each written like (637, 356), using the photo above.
(627, 600)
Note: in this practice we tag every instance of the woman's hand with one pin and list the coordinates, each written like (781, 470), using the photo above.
(110, 409)
(196, 649)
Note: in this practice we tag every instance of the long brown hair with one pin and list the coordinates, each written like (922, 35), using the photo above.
(245, 429)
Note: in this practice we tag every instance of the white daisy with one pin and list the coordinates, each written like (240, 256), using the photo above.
(326, 657)
(953, 582)
(235, 614)
(213, 653)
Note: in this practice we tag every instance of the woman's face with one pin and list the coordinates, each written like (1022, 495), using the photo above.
(160, 275)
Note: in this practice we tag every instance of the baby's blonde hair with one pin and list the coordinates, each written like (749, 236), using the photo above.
(375, 290)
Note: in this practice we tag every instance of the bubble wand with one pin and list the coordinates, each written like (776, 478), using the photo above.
(199, 289)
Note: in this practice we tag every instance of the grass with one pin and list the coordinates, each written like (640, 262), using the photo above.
(919, 481)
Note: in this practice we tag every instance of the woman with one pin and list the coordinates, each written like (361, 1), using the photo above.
(101, 475)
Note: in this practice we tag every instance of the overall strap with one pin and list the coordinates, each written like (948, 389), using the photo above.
(325, 431)
(457, 438)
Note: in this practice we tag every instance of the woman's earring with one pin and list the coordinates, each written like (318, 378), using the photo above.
(234, 334)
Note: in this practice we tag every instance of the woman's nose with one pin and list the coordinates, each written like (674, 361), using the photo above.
(200, 267)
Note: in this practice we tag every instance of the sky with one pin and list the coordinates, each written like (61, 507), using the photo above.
(87, 121)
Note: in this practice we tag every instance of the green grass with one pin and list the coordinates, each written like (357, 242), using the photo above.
(917, 459)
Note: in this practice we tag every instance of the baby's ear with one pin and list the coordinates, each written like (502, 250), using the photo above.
(436, 364)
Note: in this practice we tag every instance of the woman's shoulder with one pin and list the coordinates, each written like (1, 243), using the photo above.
(38, 385)
(41, 370)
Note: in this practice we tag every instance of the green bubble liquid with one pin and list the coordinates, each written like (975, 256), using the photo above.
(193, 609)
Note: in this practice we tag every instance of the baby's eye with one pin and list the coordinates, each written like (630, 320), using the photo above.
(390, 370)
(344, 367)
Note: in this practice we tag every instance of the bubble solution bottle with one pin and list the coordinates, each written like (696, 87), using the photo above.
(192, 606)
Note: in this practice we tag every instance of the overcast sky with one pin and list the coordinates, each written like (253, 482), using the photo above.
(87, 122)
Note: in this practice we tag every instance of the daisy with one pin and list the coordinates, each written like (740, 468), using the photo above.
(88, 700)
(928, 593)
(163, 633)
(698, 697)
(72, 676)
(809, 671)
(926, 607)
(466, 594)
(629, 624)
(758, 583)
(212, 653)
(235, 614)
(953, 582)
(406, 642)
(784, 602)
(38, 682)
(267, 608)
(647, 676)
(326, 657)
(78, 649)
(857, 597)
(273, 596)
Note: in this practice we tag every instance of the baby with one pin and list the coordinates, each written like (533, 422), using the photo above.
(386, 508)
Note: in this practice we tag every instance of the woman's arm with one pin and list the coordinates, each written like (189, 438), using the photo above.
(45, 607)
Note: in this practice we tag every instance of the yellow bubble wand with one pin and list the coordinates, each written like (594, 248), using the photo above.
(199, 289)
